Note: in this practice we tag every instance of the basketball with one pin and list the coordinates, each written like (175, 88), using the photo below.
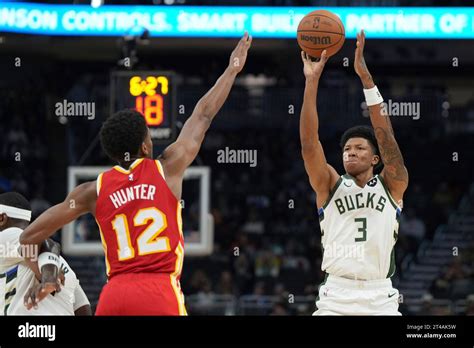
(320, 30)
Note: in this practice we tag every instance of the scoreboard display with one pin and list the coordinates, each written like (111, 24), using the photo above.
(152, 93)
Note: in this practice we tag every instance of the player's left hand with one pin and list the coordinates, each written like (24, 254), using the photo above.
(359, 61)
(41, 290)
(239, 54)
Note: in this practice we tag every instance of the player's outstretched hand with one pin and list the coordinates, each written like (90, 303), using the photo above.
(41, 290)
(313, 69)
(239, 54)
(359, 61)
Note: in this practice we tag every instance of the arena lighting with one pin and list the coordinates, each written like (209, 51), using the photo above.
(227, 21)
(97, 3)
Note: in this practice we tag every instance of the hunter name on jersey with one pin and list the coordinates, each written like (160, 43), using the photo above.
(125, 195)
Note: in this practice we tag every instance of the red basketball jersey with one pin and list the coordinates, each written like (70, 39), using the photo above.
(140, 221)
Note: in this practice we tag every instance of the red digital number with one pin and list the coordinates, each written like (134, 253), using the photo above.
(151, 106)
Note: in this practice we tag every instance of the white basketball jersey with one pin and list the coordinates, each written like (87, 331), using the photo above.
(359, 227)
(16, 279)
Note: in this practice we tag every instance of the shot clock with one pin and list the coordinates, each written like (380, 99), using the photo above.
(152, 94)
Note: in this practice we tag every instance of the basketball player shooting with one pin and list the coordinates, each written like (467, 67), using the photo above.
(358, 211)
(136, 205)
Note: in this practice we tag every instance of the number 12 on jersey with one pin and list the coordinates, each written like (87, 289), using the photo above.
(148, 242)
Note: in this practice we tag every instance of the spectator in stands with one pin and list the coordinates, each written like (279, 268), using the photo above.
(259, 289)
(444, 198)
(470, 305)
(412, 231)
(267, 264)
(452, 280)
(426, 305)
(254, 223)
(226, 284)
(428, 308)
(243, 273)
(293, 259)
(280, 308)
(198, 281)
(205, 296)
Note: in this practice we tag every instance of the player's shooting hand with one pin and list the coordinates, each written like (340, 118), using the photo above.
(359, 61)
(42, 289)
(313, 69)
(239, 54)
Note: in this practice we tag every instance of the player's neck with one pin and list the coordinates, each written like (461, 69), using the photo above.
(127, 164)
(362, 179)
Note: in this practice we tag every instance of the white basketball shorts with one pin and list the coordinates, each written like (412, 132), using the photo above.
(341, 296)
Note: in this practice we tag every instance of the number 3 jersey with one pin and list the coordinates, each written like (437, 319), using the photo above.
(359, 228)
(139, 220)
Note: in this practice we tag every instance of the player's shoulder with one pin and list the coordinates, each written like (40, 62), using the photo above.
(10, 234)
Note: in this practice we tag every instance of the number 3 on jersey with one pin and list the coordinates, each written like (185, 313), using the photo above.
(148, 241)
(362, 229)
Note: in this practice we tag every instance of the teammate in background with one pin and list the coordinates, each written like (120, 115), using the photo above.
(19, 286)
(358, 211)
(136, 205)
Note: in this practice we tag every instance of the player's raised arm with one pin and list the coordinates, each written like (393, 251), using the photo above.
(394, 173)
(80, 201)
(179, 155)
(321, 175)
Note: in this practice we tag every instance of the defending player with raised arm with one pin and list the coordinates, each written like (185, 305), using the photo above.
(136, 205)
(358, 211)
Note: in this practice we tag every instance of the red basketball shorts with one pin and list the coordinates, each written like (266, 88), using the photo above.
(141, 294)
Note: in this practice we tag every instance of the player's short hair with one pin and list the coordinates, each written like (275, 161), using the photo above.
(123, 133)
(366, 133)
(14, 199)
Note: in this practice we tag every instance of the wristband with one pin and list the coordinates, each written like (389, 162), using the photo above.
(373, 96)
(48, 258)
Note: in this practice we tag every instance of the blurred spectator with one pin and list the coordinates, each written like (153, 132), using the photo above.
(279, 308)
(444, 198)
(259, 289)
(470, 305)
(452, 281)
(198, 281)
(226, 284)
(243, 273)
(205, 296)
(254, 224)
(267, 264)
(412, 230)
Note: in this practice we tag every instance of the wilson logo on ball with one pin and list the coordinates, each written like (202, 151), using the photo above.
(317, 40)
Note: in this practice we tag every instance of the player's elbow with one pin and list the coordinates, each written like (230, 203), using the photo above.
(203, 111)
